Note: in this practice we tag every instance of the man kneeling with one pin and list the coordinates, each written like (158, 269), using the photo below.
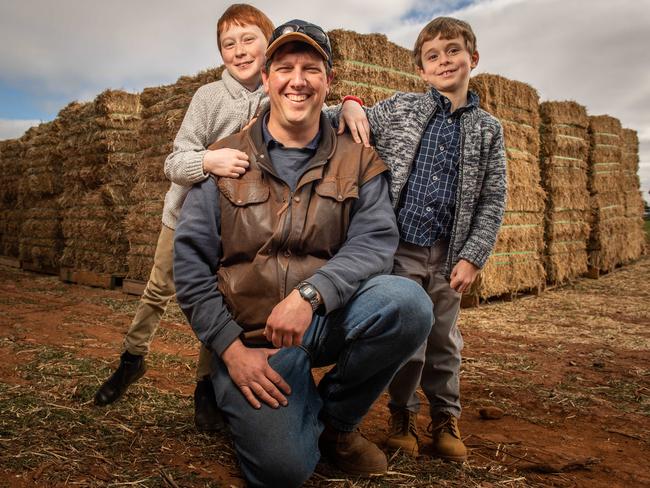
(280, 271)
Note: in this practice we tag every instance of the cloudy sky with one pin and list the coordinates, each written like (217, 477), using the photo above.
(592, 51)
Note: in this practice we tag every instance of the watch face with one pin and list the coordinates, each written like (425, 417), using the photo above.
(307, 290)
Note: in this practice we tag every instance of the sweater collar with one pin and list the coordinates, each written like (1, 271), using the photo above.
(236, 89)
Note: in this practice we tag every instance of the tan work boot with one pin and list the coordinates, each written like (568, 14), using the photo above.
(447, 443)
(403, 432)
(352, 453)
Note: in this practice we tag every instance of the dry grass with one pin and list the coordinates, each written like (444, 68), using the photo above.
(51, 434)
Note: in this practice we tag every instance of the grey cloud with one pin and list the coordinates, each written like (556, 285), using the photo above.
(10, 129)
(592, 52)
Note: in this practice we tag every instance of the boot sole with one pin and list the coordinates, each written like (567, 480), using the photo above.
(348, 469)
(413, 452)
(455, 459)
(209, 427)
(353, 469)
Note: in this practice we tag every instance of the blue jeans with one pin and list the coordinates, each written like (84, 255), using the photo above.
(367, 341)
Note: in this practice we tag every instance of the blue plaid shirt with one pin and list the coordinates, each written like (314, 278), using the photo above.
(427, 204)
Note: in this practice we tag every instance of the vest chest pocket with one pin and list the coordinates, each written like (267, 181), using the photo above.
(247, 190)
(329, 214)
(339, 189)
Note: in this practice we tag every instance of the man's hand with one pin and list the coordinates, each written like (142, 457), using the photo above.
(229, 163)
(288, 321)
(250, 370)
(354, 117)
(463, 275)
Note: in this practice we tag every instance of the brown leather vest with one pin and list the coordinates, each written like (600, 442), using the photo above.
(273, 238)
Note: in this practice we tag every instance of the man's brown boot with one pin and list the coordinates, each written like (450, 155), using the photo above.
(352, 453)
(403, 433)
(447, 443)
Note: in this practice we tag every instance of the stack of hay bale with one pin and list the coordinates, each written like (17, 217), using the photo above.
(11, 208)
(632, 197)
(564, 152)
(608, 240)
(99, 141)
(41, 239)
(371, 67)
(517, 261)
(163, 109)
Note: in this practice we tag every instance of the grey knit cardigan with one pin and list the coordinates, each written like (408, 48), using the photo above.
(397, 126)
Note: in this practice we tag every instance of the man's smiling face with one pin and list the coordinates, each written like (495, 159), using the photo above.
(297, 84)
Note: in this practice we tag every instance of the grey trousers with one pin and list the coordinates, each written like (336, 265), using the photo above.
(436, 364)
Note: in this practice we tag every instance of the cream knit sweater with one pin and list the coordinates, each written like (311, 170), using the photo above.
(217, 110)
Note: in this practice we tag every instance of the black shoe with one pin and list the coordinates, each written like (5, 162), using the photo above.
(207, 416)
(129, 371)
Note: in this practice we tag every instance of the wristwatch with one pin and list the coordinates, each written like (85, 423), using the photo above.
(309, 293)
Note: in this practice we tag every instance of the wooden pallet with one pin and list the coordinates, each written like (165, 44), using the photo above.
(133, 287)
(27, 266)
(9, 262)
(473, 301)
(91, 278)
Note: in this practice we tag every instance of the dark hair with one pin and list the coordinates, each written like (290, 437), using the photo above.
(447, 28)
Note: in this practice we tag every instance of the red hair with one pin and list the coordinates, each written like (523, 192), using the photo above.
(243, 14)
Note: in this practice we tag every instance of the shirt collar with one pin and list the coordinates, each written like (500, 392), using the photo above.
(269, 141)
(444, 103)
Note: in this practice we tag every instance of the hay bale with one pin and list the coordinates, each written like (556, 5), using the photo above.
(372, 49)
(632, 197)
(12, 167)
(99, 140)
(371, 67)
(41, 240)
(608, 241)
(517, 261)
(163, 110)
(564, 152)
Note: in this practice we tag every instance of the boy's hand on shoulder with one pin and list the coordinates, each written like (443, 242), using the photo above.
(463, 275)
(354, 118)
(229, 163)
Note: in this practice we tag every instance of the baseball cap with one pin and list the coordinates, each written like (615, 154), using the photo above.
(301, 31)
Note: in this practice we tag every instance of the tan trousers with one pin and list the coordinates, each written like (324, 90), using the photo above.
(153, 303)
(436, 365)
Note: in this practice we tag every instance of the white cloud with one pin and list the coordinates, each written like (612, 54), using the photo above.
(10, 129)
(69, 45)
(594, 52)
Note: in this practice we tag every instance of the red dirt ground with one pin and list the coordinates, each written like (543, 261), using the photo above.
(569, 369)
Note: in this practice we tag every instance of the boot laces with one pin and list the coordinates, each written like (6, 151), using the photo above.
(444, 423)
(403, 422)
